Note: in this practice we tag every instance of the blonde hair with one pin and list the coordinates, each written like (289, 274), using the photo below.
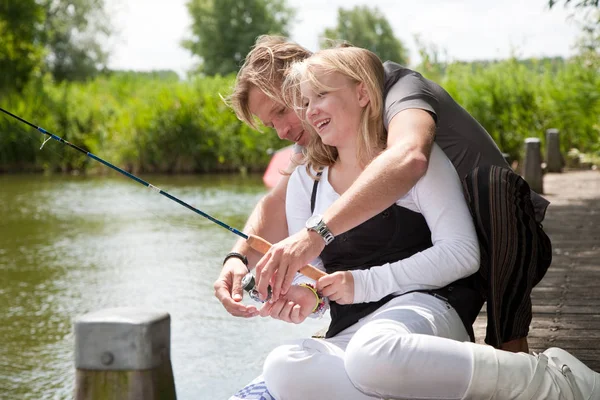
(360, 66)
(265, 68)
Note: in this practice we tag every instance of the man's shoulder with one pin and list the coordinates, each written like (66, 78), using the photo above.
(395, 73)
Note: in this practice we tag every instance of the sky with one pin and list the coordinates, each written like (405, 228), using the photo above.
(149, 32)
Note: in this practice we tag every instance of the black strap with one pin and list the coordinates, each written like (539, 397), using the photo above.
(313, 196)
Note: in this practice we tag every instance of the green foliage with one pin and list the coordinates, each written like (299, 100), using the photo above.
(137, 122)
(73, 32)
(367, 28)
(223, 31)
(60, 36)
(156, 123)
(588, 42)
(21, 52)
(516, 99)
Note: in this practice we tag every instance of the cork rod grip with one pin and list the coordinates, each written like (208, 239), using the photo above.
(262, 246)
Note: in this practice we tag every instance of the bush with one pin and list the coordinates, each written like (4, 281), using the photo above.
(157, 123)
(515, 99)
(139, 122)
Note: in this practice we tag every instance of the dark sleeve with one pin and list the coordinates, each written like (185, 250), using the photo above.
(410, 91)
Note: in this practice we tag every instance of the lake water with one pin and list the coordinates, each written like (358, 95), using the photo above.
(70, 245)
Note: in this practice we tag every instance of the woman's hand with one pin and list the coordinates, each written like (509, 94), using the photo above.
(297, 304)
(339, 287)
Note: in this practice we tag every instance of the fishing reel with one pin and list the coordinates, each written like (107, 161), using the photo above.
(249, 285)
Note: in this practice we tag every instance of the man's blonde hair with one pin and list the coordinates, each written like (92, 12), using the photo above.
(265, 68)
(359, 66)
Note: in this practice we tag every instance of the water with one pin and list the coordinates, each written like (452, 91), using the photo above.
(71, 245)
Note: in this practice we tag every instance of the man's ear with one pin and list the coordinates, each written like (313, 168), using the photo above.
(363, 95)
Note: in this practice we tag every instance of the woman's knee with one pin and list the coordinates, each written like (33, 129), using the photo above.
(372, 355)
(279, 370)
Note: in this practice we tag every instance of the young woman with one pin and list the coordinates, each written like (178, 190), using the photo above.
(392, 335)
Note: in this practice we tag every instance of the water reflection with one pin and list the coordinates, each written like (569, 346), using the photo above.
(70, 245)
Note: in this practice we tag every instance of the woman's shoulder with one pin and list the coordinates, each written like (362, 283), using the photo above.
(440, 173)
(303, 177)
(304, 172)
(439, 162)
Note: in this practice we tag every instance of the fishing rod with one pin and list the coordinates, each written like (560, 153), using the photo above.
(256, 242)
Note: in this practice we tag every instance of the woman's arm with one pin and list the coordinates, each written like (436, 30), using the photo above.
(455, 251)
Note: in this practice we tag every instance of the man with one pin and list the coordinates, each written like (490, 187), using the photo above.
(417, 112)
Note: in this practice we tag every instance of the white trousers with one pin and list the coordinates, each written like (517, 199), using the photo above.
(415, 347)
(388, 354)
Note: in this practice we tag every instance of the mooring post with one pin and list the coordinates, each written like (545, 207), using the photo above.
(123, 354)
(554, 159)
(532, 166)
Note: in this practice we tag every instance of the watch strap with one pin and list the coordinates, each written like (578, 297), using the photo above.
(323, 231)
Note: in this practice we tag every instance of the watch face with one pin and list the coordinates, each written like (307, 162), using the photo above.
(313, 221)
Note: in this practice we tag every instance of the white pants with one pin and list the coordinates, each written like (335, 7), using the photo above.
(387, 354)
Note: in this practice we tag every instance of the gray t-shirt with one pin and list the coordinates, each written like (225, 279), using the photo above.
(466, 143)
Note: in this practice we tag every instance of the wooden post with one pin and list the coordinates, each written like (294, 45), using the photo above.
(123, 354)
(554, 159)
(532, 166)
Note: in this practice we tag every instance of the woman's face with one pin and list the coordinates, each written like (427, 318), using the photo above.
(335, 115)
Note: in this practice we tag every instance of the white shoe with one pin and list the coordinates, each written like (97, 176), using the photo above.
(584, 383)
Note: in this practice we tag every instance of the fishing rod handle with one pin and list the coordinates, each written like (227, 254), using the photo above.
(262, 246)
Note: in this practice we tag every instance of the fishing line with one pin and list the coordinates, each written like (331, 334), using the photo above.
(257, 243)
(129, 175)
(128, 196)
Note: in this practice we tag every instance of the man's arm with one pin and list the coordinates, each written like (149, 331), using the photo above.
(389, 176)
(267, 221)
(438, 196)
(386, 179)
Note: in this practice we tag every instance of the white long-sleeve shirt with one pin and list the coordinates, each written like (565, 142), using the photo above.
(438, 196)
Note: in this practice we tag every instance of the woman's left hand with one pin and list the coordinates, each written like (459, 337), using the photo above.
(339, 287)
(294, 307)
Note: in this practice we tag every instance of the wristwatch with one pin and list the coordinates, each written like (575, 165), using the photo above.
(315, 223)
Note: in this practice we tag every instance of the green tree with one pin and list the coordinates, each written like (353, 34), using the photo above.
(73, 33)
(588, 43)
(224, 30)
(21, 51)
(62, 37)
(367, 28)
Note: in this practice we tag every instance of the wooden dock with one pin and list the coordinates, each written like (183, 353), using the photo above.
(566, 303)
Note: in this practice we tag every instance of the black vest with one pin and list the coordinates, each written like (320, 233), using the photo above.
(392, 235)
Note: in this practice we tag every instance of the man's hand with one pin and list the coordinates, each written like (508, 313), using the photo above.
(280, 264)
(339, 287)
(228, 289)
(297, 304)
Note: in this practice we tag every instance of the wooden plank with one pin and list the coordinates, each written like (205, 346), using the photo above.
(566, 303)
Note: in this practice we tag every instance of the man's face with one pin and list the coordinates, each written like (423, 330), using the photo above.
(274, 115)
